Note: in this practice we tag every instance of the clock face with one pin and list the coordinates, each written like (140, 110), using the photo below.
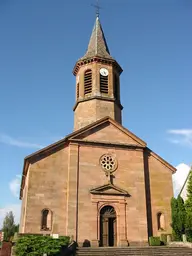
(104, 72)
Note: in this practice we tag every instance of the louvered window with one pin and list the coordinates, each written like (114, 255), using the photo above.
(88, 82)
(116, 87)
(103, 84)
(77, 90)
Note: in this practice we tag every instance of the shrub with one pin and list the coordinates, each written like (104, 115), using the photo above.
(189, 235)
(154, 241)
(38, 245)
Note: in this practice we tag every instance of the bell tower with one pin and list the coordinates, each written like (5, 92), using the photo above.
(97, 82)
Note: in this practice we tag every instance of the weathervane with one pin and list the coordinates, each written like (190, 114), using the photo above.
(97, 8)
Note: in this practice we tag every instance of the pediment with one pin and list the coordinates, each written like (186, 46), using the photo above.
(108, 131)
(109, 189)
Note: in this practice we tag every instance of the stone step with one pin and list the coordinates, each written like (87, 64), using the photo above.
(134, 251)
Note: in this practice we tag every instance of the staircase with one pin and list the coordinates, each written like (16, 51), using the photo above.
(134, 251)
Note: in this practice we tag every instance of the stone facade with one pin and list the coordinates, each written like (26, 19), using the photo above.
(100, 185)
(62, 180)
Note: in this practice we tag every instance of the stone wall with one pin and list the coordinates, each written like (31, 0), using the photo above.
(47, 189)
(62, 180)
(6, 249)
(161, 190)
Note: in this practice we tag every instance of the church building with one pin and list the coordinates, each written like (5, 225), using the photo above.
(101, 184)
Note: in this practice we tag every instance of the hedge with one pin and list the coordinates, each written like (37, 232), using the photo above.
(34, 245)
(154, 241)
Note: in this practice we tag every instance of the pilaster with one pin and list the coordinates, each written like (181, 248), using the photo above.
(72, 191)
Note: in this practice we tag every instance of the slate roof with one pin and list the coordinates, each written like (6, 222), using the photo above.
(97, 45)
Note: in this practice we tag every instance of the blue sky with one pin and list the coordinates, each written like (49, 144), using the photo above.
(40, 43)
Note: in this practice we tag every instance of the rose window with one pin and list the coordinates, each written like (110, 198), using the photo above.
(108, 163)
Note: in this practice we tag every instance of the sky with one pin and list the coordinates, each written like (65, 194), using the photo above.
(40, 42)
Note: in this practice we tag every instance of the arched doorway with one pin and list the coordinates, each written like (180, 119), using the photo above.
(108, 226)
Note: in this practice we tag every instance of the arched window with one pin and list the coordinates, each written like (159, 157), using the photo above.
(46, 219)
(77, 90)
(88, 82)
(160, 221)
(103, 84)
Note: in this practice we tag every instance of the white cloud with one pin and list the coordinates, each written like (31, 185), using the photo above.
(181, 136)
(14, 186)
(179, 177)
(18, 143)
(15, 208)
(185, 132)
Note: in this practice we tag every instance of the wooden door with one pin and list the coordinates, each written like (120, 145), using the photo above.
(115, 231)
(108, 226)
(104, 231)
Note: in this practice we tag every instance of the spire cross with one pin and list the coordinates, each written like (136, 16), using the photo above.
(97, 8)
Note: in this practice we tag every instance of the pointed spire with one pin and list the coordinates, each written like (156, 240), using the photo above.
(97, 44)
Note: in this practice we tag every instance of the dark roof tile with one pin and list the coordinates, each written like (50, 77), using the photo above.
(97, 45)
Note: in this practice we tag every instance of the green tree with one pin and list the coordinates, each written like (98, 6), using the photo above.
(17, 228)
(188, 207)
(181, 215)
(178, 217)
(9, 226)
(174, 224)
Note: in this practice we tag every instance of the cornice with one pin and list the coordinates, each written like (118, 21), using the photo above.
(97, 59)
(98, 98)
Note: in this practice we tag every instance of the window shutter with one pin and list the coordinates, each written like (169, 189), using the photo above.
(103, 84)
(88, 82)
(77, 90)
(116, 87)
